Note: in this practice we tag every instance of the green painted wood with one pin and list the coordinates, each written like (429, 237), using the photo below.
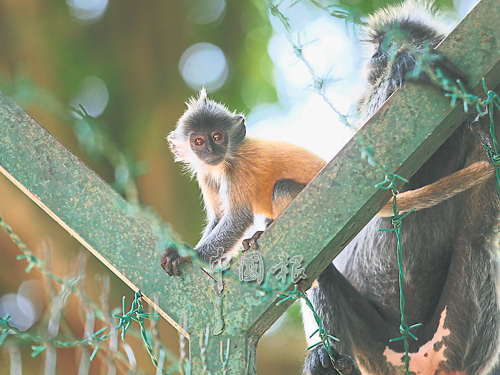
(102, 221)
(317, 225)
(409, 128)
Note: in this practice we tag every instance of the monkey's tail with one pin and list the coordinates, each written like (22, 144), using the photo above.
(441, 190)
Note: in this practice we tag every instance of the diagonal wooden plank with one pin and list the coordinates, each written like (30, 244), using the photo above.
(317, 225)
(103, 222)
(409, 128)
(79, 200)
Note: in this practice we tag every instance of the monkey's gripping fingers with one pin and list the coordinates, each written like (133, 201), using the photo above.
(346, 365)
(252, 241)
(171, 260)
(447, 69)
(318, 362)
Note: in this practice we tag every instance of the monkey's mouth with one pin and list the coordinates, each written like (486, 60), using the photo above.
(214, 160)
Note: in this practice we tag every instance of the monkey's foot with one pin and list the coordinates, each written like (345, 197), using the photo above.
(171, 260)
(318, 362)
(346, 365)
(252, 241)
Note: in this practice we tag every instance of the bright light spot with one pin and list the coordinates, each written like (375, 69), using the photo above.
(204, 64)
(464, 6)
(87, 11)
(20, 309)
(92, 95)
(310, 124)
(324, 46)
(203, 12)
(302, 116)
(33, 291)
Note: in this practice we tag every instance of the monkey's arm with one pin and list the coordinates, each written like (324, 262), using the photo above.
(449, 69)
(210, 190)
(171, 260)
(219, 237)
(441, 190)
(225, 234)
(212, 223)
(441, 63)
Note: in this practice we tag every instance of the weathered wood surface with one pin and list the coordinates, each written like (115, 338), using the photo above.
(317, 225)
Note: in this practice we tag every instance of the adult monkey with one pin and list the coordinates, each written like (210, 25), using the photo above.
(451, 259)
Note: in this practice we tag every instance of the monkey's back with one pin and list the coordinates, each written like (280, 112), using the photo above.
(262, 163)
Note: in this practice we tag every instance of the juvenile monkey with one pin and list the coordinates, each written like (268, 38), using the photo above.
(451, 254)
(242, 176)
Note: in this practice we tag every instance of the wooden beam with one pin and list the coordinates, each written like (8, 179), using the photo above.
(318, 224)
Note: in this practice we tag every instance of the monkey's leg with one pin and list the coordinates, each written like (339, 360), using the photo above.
(468, 310)
(284, 192)
(347, 315)
(252, 241)
(460, 337)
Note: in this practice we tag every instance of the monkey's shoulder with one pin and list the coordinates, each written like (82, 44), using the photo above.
(274, 160)
(274, 150)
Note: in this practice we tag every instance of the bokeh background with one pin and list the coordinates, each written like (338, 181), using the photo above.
(132, 65)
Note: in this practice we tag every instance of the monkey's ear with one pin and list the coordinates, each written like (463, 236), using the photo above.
(240, 120)
(171, 137)
(240, 125)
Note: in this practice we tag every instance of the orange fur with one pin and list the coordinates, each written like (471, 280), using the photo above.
(258, 165)
(439, 191)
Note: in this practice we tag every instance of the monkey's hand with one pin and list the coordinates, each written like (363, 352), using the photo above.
(171, 260)
(252, 241)
(319, 362)
(447, 70)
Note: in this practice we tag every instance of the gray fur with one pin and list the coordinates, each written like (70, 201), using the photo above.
(286, 190)
(450, 260)
(226, 225)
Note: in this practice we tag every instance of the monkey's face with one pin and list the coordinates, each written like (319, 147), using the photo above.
(387, 47)
(378, 61)
(211, 146)
(394, 47)
(207, 134)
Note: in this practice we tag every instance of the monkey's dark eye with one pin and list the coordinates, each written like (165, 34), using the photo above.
(198, 141)
(217, 137)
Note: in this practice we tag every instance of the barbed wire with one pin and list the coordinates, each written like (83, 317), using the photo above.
(454, 89)
(324, 337)
(403, 328)
(69, 286)
(368, 153)
(92, 138)
(319, 84)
